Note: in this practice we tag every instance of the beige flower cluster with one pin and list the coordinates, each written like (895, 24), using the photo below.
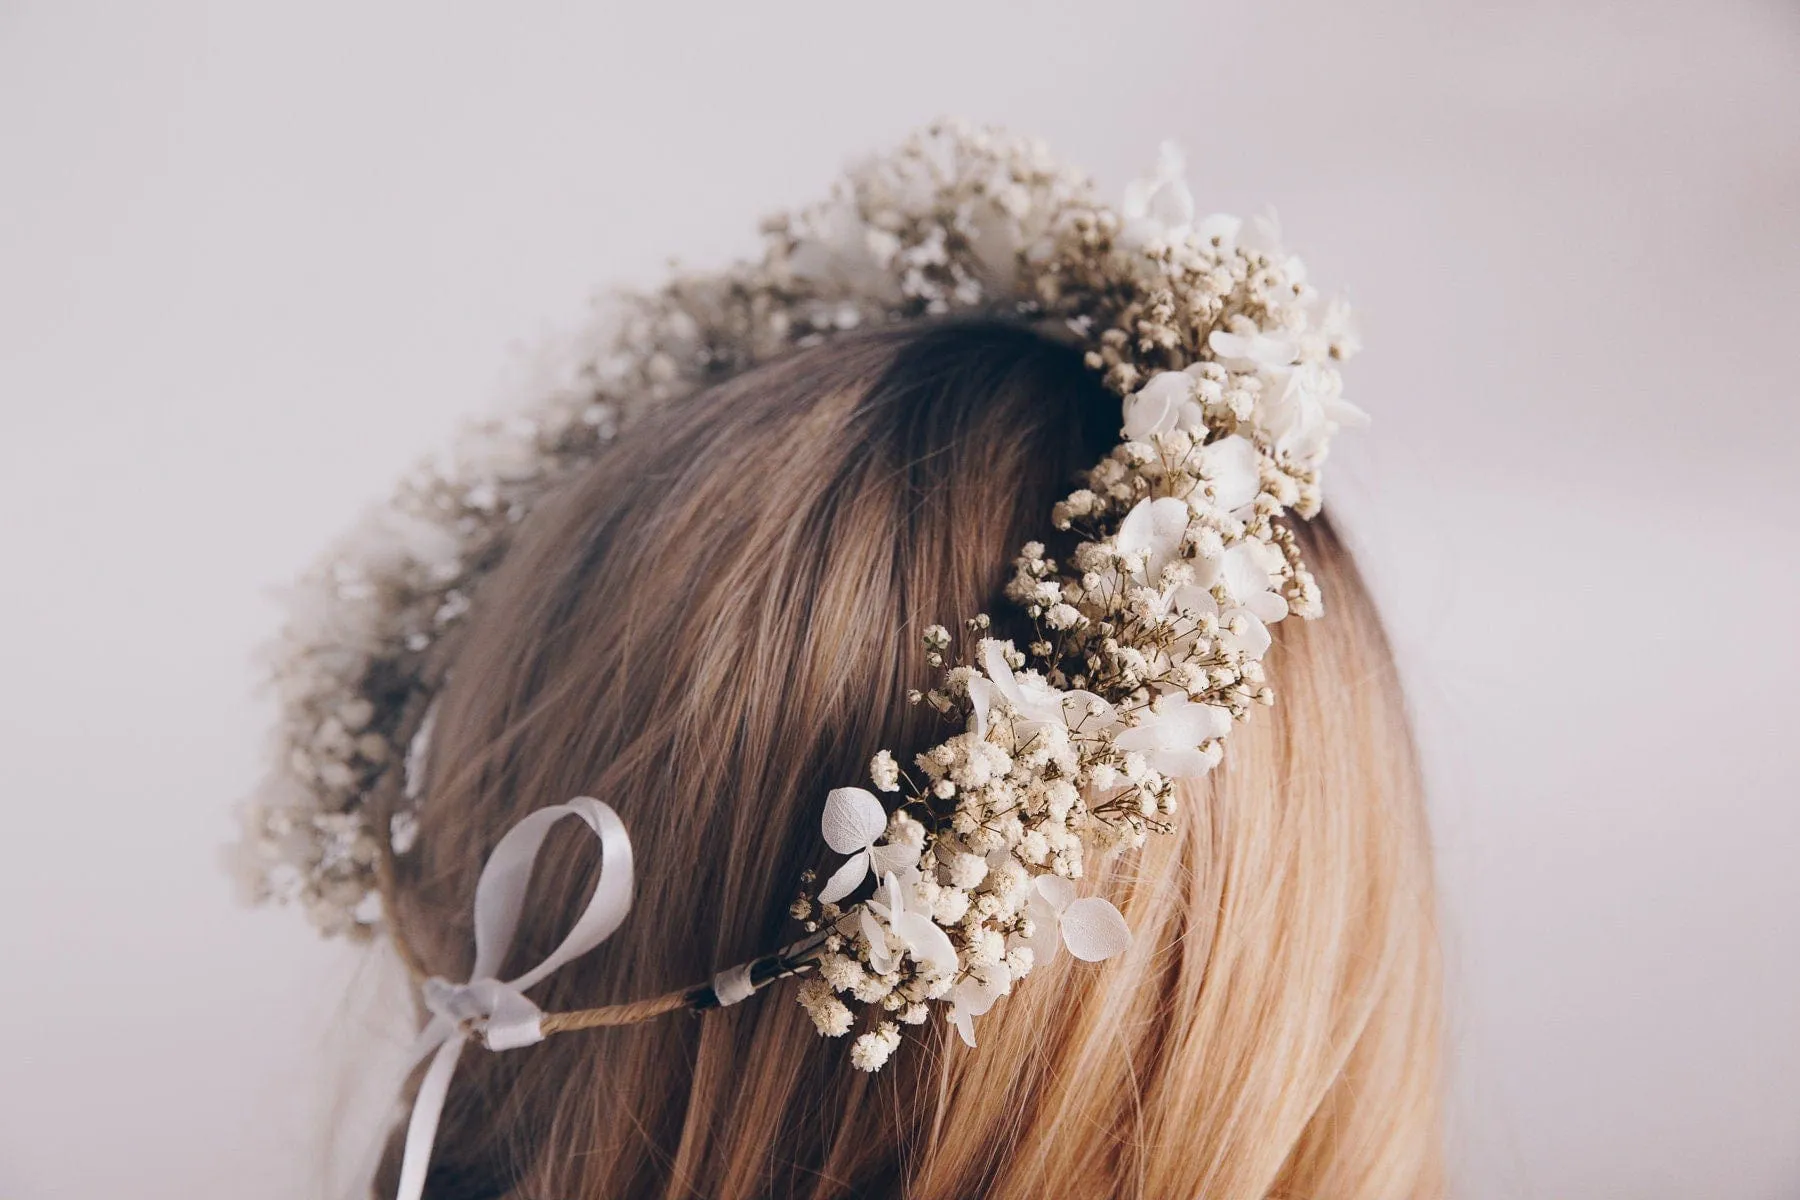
(1149, 637)
(1148, 647)
(1149, 634)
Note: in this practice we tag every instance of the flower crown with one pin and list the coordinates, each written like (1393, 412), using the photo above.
(1149, 636)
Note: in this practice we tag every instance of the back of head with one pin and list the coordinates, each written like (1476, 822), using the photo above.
(719, 620)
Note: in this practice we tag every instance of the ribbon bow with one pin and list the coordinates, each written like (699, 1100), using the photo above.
(499, 1010)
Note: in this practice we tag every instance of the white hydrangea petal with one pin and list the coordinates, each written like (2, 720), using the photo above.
(1160, 205)
(846, 878)
(867, 919)
(1156, 526)
(1183, 725)
(1254, 351)
(1055, 891)
(1233, 466)
(1190, 416)
(1180, 725)
(1154, 731)
(1172, 204)
(1169, 519)
(1135, 203)
(1228, 346)
(1155, 407)
(999, 671)
(1134, 531)
(926, 941)
(973, 997)
(1094, 930)
(893, 858)
(1254, 641)
(983, 989)
(1263, 235)
(1145, 417)
(1146, 735)
(995, 241)
(853, 819)
(981, 698)
(1036, 698)
(890, 892)
(1168, 387)
(1192, 600)
(1245, 577)
(1265, 607)
(964, 1021)
(1046, 933)
(909, 878)
(879, 958)
(1180, 764)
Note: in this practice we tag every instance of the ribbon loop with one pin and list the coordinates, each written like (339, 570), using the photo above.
(502, 1014)
(499, 1010)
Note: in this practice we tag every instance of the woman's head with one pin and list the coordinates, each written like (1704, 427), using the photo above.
(717, 623)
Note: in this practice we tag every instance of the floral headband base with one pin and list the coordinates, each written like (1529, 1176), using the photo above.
(1148, 636)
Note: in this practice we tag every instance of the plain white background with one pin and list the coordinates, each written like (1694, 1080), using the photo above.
(255, 260)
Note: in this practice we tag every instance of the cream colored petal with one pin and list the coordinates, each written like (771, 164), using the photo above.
(1094, 930)
(853, 819)
(846, 878)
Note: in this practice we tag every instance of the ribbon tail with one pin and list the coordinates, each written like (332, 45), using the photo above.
(506, 1018)
(428, 1107)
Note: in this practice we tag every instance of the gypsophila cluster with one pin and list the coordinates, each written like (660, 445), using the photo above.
(1149, 635)
(1149, 632)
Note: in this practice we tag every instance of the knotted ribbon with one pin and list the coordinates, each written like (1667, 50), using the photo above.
(502, 1014)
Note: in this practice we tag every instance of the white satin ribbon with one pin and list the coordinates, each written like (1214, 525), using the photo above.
(500, 1010)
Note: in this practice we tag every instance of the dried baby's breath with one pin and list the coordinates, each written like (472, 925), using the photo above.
(1148, 635)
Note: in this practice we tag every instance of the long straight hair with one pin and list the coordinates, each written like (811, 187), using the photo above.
(720, 621)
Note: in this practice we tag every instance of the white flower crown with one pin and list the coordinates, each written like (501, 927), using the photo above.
(1149, 635)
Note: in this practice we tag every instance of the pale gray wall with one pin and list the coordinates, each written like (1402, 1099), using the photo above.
(253, 262)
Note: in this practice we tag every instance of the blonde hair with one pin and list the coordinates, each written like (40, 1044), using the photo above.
(718, 622)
